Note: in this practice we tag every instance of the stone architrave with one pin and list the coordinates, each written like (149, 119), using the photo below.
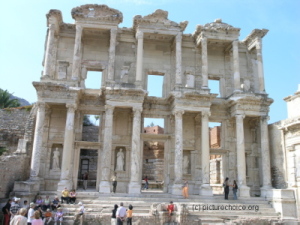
(104, 186)
(236, 66)
(48, 55)
(139, 58)
(265, 156)
(205, 156)
(204, 63)
(134, 186)
(112, 54)
(178, 59)
(38, 141)
(177, 186)
(65, 179)
(241, 158)
(260, 69)
(76, 67)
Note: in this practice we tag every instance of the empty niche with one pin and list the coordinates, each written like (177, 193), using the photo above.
(93, 80)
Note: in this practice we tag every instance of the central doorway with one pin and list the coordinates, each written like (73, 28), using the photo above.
(88, 161)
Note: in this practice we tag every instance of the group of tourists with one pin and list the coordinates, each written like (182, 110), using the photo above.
(120, 215)
(226, 186)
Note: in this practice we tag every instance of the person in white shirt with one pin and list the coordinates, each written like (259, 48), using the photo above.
(121, 214)
(30, 213)
(80, 214)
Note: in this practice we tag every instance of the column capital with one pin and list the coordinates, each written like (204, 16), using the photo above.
(137, 109)
(266, 118)
(139, 34)
(178, 112)
(41, 105)
(109, 108)
(240, 116)
(258, 43)
(205, 114)
(71, 106)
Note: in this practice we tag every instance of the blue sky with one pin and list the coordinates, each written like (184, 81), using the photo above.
(23, 31)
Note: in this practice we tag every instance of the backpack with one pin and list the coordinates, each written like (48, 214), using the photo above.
(224, 185)
(236, 186)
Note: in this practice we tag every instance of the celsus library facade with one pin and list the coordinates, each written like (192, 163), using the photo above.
(125, 60)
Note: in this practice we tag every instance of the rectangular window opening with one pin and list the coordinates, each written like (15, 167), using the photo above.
(154, 125)
(216, 170)
(93, 80)
(155, 85)
(215, 135)
(214, 86)
(90, 129)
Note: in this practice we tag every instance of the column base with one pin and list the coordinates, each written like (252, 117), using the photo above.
(265, 191)
(205, 190)
(104, 187)
(177, 189)
(64, 183)
(244, 191)
(134, 188)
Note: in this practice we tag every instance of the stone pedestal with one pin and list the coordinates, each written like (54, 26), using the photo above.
(104, 187)
(177, 189)
(206, 190)
(134, 188)
(244, 191)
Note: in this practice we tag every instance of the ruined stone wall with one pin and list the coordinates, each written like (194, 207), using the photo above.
(276, 156)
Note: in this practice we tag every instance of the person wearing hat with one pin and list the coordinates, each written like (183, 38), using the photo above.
(58, 216)
(14, 207)
(30, 216)
(80, 213)
(20, 219)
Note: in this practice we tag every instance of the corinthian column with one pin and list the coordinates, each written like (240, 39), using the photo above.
(260, 69)
(177, 186)
(241, 158)
(65, 179)
(265, 156)
(48, 55)
(76, 69)
(204, 63)
(37, 142)
(178, 59)
(104, 186)
(139, 58)
(205, 155)
(112, 54)
(136, 159)
(236, 66)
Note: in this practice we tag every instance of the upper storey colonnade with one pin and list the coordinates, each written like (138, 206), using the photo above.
(155, 26)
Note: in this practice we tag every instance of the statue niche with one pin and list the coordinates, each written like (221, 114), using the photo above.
(120, 159)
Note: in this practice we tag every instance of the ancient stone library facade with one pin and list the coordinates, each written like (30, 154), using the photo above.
(61, 147)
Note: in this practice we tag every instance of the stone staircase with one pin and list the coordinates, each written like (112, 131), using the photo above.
(149, 208)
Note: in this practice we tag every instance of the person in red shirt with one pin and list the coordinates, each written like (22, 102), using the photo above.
(170, 209)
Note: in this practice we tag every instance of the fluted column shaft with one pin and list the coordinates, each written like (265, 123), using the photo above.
(48, 55)
(178, 59)
(240, 148)
(139, 60)
(260, 69)
(76, 69)
(205, 148)
(136, 159)
(204, 62)
(112, 54)
(106, 152)
(236, 66)
(178, 147)
(68, 143)
(265, 153)
(37, 142)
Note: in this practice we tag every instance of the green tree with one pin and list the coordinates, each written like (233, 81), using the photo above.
(6, 101)
(86, 121)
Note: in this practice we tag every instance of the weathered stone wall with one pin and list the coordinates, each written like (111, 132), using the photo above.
(276, 156)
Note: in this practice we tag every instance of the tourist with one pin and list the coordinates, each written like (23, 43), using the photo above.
(226, 187)
(80, 214)
(146, 183)
(6, 212)
(58, 216)
(113, 215)
(48, 217)
(129, 215)
(85, 180)
(65, 195)
(14, 209)
(185, 189)
(20, 219)
(72, 196)
(47, 203)
(234, 189)
(121, 214)
(170, 210)
(114, 182)
(41, 212)
(30, 216)
(39, 202)
(37, 218)
(55, 203)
